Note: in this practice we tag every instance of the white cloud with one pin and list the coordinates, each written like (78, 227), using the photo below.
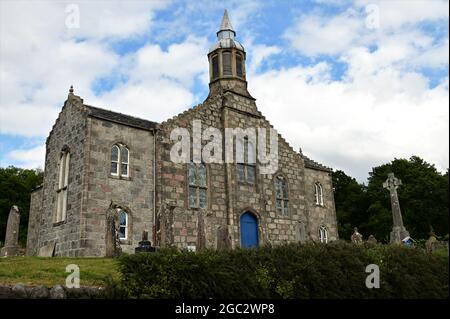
(362, 122)
(259, 53)
(316, 34)
(30, 158)
(40, 58)
(383, 107)
(398, 13)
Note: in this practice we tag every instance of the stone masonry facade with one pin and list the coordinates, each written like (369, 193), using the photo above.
(155, 192)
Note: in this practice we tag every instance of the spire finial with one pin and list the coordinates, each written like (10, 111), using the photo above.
(226, 24)
(71, 89)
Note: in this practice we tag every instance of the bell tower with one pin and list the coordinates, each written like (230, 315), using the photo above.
(227, 62)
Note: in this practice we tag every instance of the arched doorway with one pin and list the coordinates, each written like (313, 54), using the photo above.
(249, 230)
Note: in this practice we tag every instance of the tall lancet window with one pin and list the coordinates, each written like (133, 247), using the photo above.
(282, 203)
(246, 165)
(215, 66)
(318, 194)
(120, 158)
(239, 65)
(197, 185)
(63, 182)
(323, 234)
(226, 56)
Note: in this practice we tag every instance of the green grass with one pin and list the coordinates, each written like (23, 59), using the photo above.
(52, 271)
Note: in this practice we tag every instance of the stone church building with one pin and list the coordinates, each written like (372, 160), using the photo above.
(100, 163)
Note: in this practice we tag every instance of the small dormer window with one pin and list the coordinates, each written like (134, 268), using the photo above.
(226, 56)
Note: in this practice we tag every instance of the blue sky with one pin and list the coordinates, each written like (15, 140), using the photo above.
(353, 83)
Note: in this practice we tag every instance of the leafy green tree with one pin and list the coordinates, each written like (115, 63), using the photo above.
(351, 203)
(423, 197)
(423, 200)
(16, 185)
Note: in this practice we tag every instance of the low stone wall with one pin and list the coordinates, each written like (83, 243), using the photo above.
(20, 291)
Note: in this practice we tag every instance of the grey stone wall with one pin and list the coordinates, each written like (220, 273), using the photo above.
(69, 130)
(134, 194)
(324, 215)
(182, 226)
(33, 222)
(92, 189)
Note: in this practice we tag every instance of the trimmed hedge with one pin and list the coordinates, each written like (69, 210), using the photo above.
(336, 270)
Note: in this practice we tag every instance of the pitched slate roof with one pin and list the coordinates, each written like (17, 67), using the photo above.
(309, 163)
(120, 118)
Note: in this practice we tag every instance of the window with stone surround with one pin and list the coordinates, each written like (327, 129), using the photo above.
(120, 158)
(318, 194)
(63, 182)
(246, 166)
(282, 199)
(197, 185)
(239, 65)
(323, 234)
(226, 57)
(123, 224)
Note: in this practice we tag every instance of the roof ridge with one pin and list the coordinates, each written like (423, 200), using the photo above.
(127, 115)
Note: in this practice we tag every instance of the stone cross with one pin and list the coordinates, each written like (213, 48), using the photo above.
(12, 234)
(398, 230)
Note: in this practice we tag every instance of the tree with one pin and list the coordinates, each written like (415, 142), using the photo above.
(16, 185)
(351, 203)
(423, 200)
(423, 196)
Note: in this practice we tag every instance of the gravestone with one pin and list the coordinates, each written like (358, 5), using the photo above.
(145, 246)
(47, 250)
(430, 244)
(112, 241)
(223, 239)
(301, 232)
(372, 240)
(399, 231)
(11, 247)
(356, 238)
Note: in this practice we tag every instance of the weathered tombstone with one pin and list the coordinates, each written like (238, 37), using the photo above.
(11, 247)
(430, 244)
(145, 246)
(356, 238)
(301, 232)
(223, 239)
(47, 250)
(399, 231)
(372, 240)
(112, 241)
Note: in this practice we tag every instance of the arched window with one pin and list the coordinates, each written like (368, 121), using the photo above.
(197, 185)
(226, 58)
(215, 66)
(318, 194)
(239, 65)
(120, 158)
(281, 190)
(123, 224)
(323, 234)
(63, 182)
(246, 166)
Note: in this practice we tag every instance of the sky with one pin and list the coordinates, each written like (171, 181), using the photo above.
(354, 84)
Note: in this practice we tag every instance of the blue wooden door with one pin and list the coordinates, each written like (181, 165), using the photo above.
(249, 230)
